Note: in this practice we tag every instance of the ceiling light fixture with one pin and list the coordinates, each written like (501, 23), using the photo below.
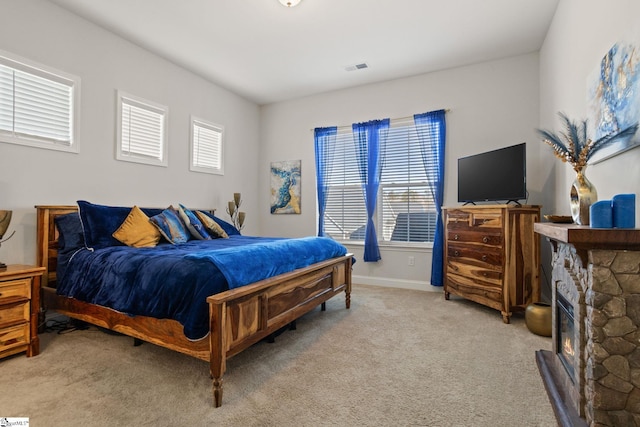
(289, 3)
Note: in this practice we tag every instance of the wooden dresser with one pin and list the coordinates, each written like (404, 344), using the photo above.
(19, 308)
(492, 255)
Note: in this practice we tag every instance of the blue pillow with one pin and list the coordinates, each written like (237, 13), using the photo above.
(70, 235)
(228, 228)
(193, 223)
(171, 226)
(99, 222)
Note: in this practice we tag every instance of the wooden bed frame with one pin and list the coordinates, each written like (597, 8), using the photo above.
(238, 318)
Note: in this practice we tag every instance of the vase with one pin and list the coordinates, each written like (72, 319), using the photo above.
(583, 195)
(537, 317)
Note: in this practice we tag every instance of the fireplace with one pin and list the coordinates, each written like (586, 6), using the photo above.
(592, 374)
(566, 339)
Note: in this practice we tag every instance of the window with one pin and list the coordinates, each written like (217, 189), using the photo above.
(142, 131)
(206, 147)
(38, 105)
(405, 211)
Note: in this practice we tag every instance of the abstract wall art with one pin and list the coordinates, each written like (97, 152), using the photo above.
(285, 187)
(613, 98)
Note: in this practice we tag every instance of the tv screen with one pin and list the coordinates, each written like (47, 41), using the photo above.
(498, 176)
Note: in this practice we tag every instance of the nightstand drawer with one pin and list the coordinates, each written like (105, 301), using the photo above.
(13, 314)
(15, 288)
(14, 337)
(19, 309)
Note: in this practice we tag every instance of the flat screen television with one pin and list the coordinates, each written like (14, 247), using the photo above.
(498, 176)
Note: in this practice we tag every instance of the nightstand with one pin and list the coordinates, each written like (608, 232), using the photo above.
(19, 307)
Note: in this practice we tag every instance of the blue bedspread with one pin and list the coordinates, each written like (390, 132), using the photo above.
(173, 281)
(262, 260)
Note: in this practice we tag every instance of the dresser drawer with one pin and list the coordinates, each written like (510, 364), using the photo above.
(475, 272)
(15, 288)
(15, 336)
(461, 219)
(477, 255)
(489, 236)
(482, 292)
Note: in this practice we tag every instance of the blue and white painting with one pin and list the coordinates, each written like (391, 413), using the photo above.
(613, 98)
(285, 187)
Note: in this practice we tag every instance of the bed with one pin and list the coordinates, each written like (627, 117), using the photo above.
(237, 318)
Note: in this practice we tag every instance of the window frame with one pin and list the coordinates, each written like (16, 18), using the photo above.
(202, 123)
(149, 106)
(34, 68)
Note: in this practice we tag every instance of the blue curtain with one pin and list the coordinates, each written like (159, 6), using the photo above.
(370, 139)
(325, 143)
(431, 130)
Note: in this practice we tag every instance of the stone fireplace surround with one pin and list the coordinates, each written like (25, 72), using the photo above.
(598, 272)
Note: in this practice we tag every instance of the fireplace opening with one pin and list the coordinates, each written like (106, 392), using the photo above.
(565, 336)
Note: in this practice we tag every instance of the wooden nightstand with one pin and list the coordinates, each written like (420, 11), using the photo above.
(19, 307)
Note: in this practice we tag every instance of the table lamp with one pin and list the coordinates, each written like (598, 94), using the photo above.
(5, 219)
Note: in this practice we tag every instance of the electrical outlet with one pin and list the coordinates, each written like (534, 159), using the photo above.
(412, 261)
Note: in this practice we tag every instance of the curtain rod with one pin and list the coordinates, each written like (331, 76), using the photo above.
(398, 119)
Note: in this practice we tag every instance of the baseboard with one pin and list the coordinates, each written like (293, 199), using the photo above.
(396, 283)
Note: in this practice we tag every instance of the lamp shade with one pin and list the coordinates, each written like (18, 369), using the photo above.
(5, 219)
(289, 3)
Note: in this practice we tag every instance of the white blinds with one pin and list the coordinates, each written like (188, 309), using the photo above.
(36, 104)
(206, 147)
(345, 214)
(405, 207)
(142, 133)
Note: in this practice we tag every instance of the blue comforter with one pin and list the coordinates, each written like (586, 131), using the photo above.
(173, 281)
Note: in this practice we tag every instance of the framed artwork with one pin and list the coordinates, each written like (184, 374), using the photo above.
(613, 94)
(285, 187)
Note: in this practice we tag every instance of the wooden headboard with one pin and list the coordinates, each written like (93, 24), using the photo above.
(47, 250)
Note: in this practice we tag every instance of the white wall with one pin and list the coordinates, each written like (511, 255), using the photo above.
(43, 32)
(581, 34)
(492, 105)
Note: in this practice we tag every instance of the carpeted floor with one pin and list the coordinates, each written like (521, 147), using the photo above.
(396, 358)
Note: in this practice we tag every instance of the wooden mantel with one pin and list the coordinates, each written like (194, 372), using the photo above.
(585, 238)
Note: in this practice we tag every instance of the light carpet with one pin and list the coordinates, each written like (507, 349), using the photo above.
(396, 358)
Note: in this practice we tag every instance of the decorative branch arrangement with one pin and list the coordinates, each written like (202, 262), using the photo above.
(574, 147)
(237, 217)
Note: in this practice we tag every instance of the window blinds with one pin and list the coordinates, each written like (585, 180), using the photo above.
(406, 209)
(206, 147)
(36, 105)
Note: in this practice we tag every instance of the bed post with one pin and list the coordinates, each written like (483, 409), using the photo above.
(217, 339)
(347, 288)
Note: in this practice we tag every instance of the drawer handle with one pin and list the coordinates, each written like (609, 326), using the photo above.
(484, 257)
(456, 237)
(485, 239)
(456, 253)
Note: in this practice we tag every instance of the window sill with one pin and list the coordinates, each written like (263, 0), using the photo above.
(416, 246)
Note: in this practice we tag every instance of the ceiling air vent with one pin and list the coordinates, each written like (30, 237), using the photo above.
(361, 66)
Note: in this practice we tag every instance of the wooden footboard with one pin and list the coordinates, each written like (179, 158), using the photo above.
(238, 318)
(243, 316)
